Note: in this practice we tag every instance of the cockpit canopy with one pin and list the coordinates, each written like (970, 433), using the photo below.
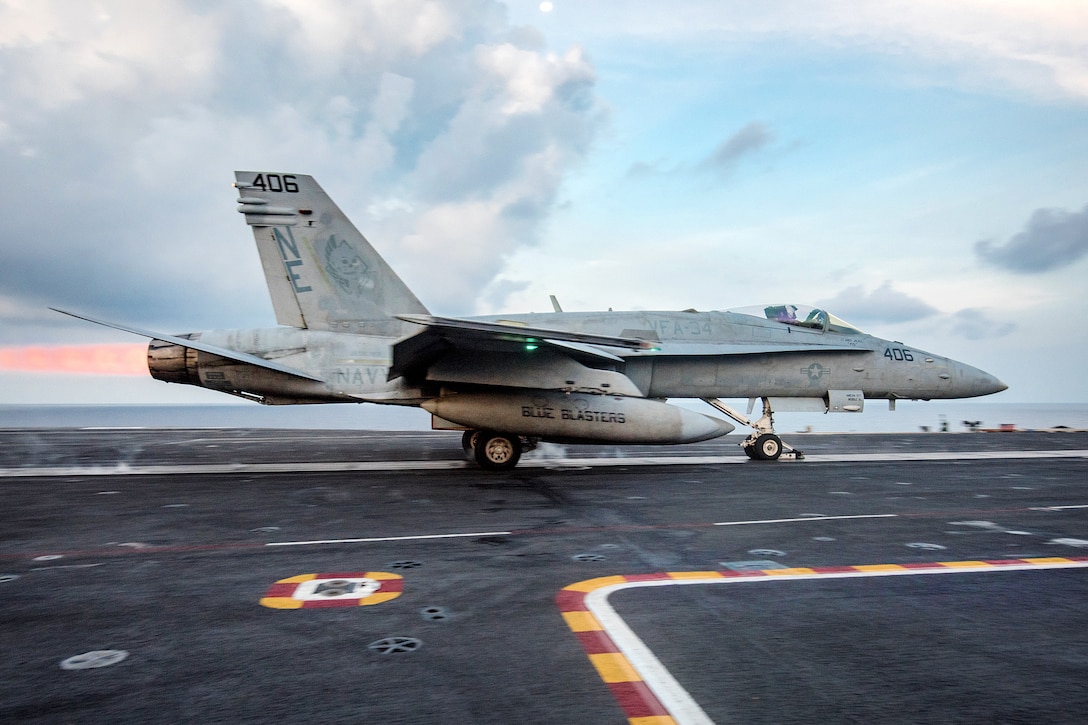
(801, 316)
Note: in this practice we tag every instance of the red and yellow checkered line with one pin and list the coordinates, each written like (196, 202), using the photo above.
(280, 594)
(635, 698)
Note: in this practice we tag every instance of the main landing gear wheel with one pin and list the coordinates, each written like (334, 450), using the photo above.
(497, 451)
(468, 443)
(768, 447)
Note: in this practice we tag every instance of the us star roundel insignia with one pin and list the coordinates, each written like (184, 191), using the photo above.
(815, 371)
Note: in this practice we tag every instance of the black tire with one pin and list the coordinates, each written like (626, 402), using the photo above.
(768, 447)
(468, 443)
(497, 451)
(750, 451)
(468, 440)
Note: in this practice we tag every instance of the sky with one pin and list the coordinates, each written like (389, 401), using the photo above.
(918, 168)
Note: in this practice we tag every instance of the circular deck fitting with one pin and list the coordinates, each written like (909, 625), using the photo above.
(434, 614)
(395, 645)
(405, 564)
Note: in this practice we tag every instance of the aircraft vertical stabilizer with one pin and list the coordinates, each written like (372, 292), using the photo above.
(322, 273)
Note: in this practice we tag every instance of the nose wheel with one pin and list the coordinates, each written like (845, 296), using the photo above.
(766, 447)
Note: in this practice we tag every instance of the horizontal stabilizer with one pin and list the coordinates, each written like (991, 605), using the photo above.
(241, 357)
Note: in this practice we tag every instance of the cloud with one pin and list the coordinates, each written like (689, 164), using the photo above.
(444, 133)
(1052, 238)
(976, 324)
(751, 139)
(66, 52)
(499, 291)
(1031, 48)
(748, 141)
(884, 304)
(887, 305)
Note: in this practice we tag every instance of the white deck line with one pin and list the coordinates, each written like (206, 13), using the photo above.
(803, 519)
(676, 700)
(559, 463)
(376, 539)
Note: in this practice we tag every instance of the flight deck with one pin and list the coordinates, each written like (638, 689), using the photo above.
(352, 576)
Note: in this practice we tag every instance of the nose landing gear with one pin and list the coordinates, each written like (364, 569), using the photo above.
(763, 444)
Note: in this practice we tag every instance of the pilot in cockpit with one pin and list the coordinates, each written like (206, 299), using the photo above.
(786, 313)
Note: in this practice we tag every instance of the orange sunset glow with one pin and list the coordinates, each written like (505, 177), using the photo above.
(101, 359)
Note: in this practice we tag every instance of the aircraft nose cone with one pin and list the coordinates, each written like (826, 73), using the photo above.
(973, 382)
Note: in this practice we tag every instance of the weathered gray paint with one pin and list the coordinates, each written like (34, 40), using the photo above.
(351, 323)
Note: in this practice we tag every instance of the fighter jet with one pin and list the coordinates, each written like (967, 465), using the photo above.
(352, 332)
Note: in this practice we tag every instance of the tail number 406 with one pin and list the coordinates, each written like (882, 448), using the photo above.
(275, 182)
(898, 353)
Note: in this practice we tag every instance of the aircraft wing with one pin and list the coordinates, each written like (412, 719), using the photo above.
(446, 334)
(241, 357)
(512, 355)
(523, 333)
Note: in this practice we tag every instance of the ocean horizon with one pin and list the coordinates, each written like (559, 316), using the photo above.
(909, 417)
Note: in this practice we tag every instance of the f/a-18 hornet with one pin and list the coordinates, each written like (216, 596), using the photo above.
(351, 331)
